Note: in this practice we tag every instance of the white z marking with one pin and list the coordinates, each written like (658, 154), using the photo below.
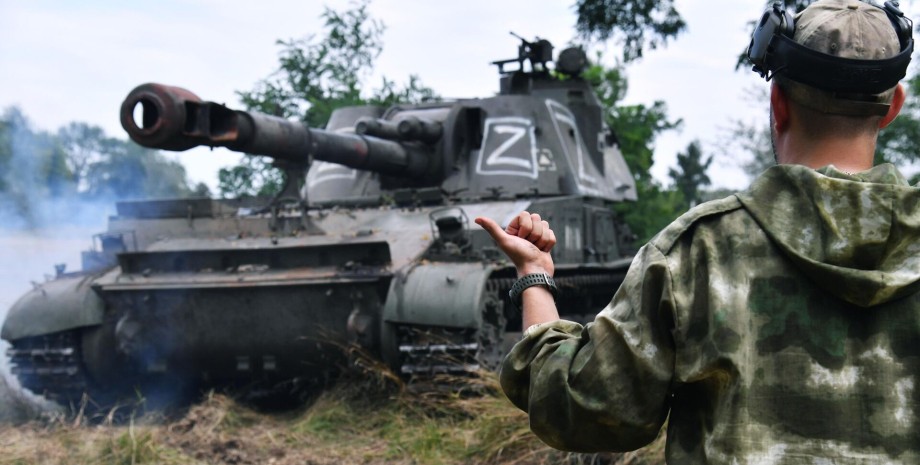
(496, 158)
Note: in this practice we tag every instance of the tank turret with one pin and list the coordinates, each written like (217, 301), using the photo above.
(376, 252)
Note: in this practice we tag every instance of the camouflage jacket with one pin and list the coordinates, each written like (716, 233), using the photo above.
(780, 325)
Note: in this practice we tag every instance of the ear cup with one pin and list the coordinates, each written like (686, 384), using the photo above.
(775, 21)
(788, 24)
(902, 25)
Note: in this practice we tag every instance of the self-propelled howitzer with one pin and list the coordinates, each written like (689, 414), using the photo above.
(370, 245)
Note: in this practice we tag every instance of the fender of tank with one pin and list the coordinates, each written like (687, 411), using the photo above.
(368, 245)
(58, 305)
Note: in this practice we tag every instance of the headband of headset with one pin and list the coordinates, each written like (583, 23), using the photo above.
(772, 50)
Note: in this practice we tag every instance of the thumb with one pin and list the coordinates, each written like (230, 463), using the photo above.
(491, 227)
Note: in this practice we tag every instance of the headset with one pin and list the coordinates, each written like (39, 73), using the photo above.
(772, 50)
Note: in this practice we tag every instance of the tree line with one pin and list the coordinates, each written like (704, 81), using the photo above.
(328, 70)
(43, 172)
(331, 69)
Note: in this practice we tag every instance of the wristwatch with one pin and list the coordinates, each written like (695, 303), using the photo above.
(528, 280)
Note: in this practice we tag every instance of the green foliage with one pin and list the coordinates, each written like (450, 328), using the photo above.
(201, 190)
(635, 24)
(899, 143)
(84, 144)
(128, 171)
(316, 75)
(657, 207)
(391, 93)
(252, 177)
(690, 176)
(138, 447)
(32, 166)
(45, 176)
(636, 128)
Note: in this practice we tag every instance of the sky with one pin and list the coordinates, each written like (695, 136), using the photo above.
(63, 61)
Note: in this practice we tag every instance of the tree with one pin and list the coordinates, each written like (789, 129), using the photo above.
(690, 176)
(636, 128)
(201, 190)
(752, 140)
(126, 170)
(33, 167)
(252, 177)
(656, 209)
(320, 73)
(83, 143)
(49, 176)
(635, 24)
(316, 75)
(899, 143)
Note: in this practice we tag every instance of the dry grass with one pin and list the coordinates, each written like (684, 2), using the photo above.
(369, 417)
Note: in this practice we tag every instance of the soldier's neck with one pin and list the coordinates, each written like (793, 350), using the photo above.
(850, 155)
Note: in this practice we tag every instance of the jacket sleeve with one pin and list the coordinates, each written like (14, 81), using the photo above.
(604, 386)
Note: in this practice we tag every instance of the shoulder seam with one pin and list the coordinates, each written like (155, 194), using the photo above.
(668, 236)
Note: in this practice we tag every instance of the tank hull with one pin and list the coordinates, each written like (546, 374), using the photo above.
(221, 301)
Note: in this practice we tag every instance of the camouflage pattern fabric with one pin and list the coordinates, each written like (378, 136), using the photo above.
(780, 325)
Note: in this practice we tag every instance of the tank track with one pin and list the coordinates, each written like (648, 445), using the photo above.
(428, 352)
(50, 365)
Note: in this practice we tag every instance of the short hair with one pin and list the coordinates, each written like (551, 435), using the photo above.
(848, 29)
(820, 123)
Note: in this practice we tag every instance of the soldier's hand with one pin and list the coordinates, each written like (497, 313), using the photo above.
(527, 241)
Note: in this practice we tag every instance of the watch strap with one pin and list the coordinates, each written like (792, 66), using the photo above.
(530, 280)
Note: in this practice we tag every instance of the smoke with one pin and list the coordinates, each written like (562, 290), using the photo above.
(40, 173)
(43, 223)
(43, 220)
(57, 191)
(27, 257)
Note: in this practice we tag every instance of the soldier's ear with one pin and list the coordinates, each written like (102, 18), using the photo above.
(779, 107)
(897, 101)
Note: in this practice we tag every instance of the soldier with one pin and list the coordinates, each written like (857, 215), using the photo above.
(778, 325)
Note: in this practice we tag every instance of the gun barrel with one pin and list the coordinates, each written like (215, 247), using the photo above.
(172, 118)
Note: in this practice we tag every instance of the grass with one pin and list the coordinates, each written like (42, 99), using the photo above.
(369, 417)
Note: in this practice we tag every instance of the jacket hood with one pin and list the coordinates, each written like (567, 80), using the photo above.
(856, 235)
